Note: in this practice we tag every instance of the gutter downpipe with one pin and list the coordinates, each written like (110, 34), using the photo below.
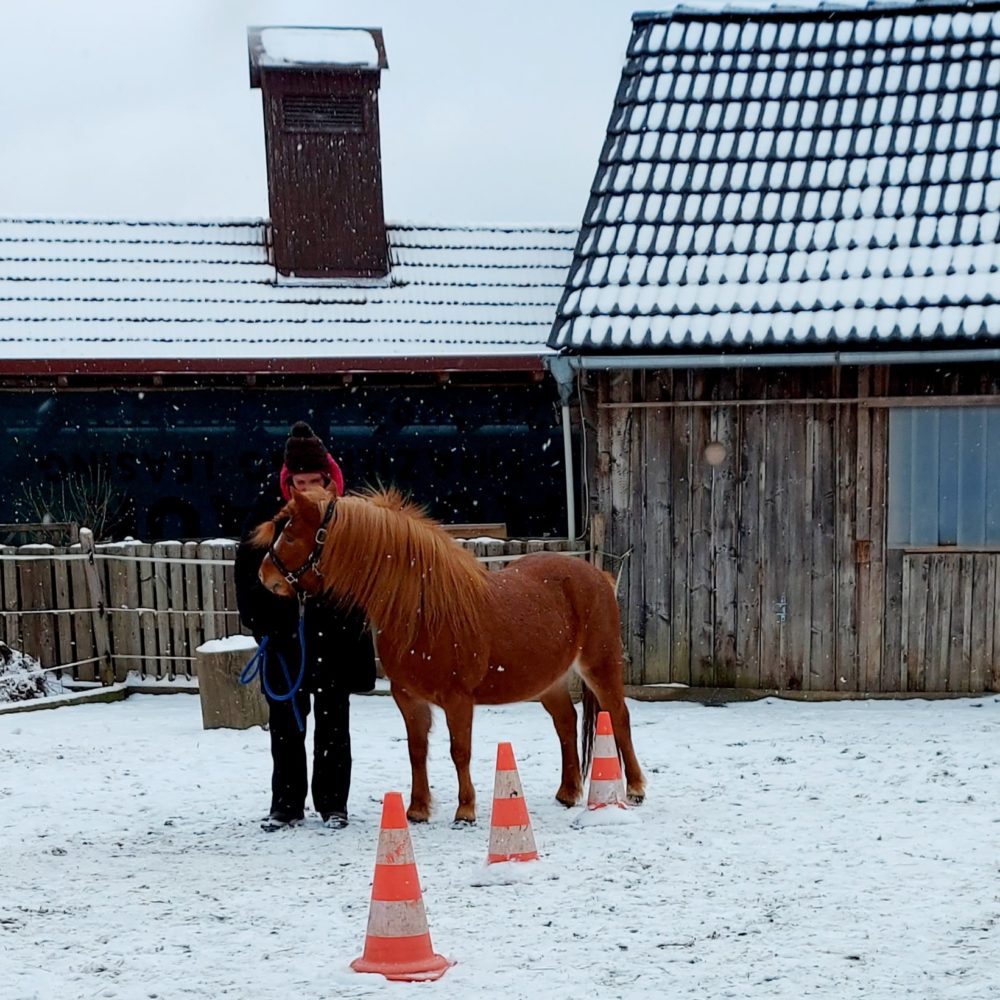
(562, 372)
(583, 362)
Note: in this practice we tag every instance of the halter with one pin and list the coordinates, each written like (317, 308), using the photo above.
(292, 577)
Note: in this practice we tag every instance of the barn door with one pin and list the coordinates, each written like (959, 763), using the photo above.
(756, 546)
(951, 621)
(799, 548)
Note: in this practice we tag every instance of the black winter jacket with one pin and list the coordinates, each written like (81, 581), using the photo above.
(339, 649)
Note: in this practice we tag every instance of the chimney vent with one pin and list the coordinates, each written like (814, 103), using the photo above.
(325, 113)
(321, 130)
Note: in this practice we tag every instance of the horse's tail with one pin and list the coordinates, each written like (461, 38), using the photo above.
(590, 710)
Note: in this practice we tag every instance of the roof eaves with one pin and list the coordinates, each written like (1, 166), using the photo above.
(384, 364)
(825, 10)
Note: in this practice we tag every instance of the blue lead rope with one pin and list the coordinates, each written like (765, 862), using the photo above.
(258, 665)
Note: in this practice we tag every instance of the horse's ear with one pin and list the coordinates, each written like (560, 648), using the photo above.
(263, 535)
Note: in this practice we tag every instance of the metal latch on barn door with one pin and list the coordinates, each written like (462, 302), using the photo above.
(863, 551)
(781, 610)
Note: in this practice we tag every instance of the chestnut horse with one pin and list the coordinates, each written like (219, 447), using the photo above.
(451, 634)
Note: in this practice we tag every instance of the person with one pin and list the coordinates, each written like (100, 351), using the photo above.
(339, 655)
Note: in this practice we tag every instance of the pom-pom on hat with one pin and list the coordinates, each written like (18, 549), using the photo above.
(304, 451)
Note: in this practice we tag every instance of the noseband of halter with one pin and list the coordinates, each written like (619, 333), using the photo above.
(291, 576)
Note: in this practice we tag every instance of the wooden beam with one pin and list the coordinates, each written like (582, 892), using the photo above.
(722, 696)
(871, 402)
(486, 530)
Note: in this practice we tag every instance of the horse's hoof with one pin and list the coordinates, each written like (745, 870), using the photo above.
(415, 817)
(636, 798)
(569, 801)
(459, 823)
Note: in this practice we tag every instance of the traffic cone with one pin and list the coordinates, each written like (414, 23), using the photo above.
(398, 943)
(511, 838)
(606, 785)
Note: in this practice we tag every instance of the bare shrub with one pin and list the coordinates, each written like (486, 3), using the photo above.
(88, 499)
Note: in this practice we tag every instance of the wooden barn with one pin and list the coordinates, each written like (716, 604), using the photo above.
(782, 327)
(154, 368)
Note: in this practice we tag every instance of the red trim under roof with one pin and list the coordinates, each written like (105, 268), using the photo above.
(278, 366)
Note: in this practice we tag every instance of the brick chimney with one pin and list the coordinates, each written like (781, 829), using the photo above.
(324, 169)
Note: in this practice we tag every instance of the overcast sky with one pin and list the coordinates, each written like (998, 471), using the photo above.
(139, 109)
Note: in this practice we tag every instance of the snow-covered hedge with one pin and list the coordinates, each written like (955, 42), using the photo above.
(21, 677)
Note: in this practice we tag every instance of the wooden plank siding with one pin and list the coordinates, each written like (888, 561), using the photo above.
(176, 604)
(701, 579)
(724, 501)
(845, 595)
(84, 643)
(633, 512)
(679, 507)
(146, 617)
(875, 679)
(37, 593)
(625, 520)
(750, 484)
(797, 590)
(656, 432)
(121, 582)
(772, 569)
(194, 624)
(821, 674)
(773, 608)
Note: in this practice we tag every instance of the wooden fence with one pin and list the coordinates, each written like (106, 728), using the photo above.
(100, 612)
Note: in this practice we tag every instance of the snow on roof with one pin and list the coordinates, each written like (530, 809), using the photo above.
(322, 46)
(776, 177)
(206, 291)
(286, 47)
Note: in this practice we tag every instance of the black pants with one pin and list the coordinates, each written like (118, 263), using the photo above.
(331, 779)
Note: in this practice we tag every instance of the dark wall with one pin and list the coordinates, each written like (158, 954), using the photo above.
(187, 463)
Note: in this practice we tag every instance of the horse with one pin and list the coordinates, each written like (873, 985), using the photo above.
(451, 634)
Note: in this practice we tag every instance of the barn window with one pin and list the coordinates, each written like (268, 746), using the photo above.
(944, 476)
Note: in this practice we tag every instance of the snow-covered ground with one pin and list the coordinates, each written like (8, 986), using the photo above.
(785, 850)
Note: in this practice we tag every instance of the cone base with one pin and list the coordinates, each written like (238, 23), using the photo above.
(425, 970)
(493, 859)
(592, 806)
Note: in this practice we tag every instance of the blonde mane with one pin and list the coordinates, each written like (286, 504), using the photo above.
(386, 555)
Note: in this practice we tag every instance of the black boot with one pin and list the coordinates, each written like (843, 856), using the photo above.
(280, 821)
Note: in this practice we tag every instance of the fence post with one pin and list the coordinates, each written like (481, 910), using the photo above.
(225, 703)
(100, 616)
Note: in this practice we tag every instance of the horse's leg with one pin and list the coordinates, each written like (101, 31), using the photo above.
(603, 675)
(417, 718)
(458, 711)
(559, 705)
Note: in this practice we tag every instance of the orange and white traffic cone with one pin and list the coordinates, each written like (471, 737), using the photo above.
(511, 838)
(398, 943)
(606, 785)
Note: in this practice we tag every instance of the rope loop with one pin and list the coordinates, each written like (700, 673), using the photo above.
(258, 666)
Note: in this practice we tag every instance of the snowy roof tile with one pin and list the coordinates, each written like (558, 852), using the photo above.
(782, 177)
(92, 291)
